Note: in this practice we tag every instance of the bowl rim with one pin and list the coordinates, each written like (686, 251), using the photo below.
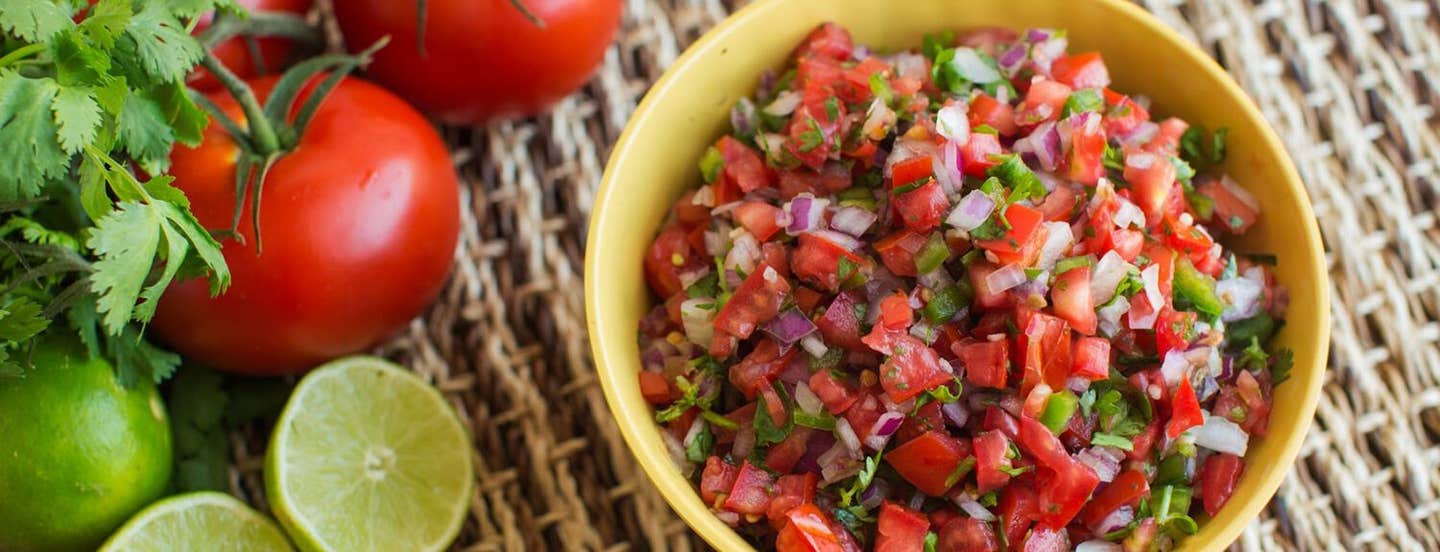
(721, 536)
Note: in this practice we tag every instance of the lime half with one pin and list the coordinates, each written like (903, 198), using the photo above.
(368, 456)
(201, 522)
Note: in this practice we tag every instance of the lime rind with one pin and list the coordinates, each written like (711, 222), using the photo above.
(204, 521)
(369, 456)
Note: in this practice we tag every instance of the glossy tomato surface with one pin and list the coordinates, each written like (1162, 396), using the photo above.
(359, 225)
(482, 58)
(237, 55)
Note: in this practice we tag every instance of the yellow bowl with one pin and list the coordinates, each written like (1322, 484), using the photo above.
(655, 160)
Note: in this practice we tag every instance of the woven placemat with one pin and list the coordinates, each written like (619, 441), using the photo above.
(1351, 86)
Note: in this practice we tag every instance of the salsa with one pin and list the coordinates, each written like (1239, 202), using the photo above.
(967, 297)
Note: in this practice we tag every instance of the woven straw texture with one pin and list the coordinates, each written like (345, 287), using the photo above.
(1352, 86)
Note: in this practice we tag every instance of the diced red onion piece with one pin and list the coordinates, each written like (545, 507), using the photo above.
(790, 326)
(1110, 316)
(807, 400)
(839, 239)
(1140, 160)
(1221, 435)
(1140, 135)
(917, 499)
(697, 318)
(946, 169)
(814, 345)
(1116, 521)
(1240, 296)
(911, 65)
(743, 117)
(1058, 239)
(1077, 384)
(972, 211)
(677, 452)
(853, 220)
(1151, 277)
(1045, 143)
(1129, 214)
(728, 518)
(875, 494)
(838, 463)
(744, 253)
(696, 426)
(744, 441)
(923, 331)
(1013, 58)
(847, 436)
(1046, 51)
(726, 208)
(1005, 277)
(1104, 466)
(974, 509)
(968, 64)
(1146, 322)
(879, 119)
(952, 123)
(797, 370)
(714, 243)
(784, 104)
(806, 213)
(1098, 545)
(955, 413)
(1111, 269)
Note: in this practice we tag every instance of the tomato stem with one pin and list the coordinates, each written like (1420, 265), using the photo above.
(262, 23)
(525, 11)
(263, 138)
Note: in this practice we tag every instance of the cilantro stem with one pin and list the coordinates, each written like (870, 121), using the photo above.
(21, 53)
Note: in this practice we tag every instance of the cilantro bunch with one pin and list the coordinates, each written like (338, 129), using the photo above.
(88, 94)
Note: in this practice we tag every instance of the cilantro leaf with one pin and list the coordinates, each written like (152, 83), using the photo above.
(126, 241)
(156, 46)
(20, 320)
(30, 151)
(78, 117)
(1284, 361)
(144, 133)
(34, 21)
(1101, 439)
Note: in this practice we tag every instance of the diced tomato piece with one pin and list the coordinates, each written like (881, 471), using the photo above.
(1124, 114)
(1233, 212)
(670, 255)
(1145, 441)
(812, 135)
(808, 530)
(839, 325)
(1142, 539)
(755, 302)
(1087, 151)
(829, 40)
(791, 491)
(855, 87)
(1018, 507)
(1064, 491)
(758, 218)
(1034, 402)
(986, 110)
(1039, 443)
(807, 300)
(1045, 539)
(863, 414)
(997, 419)
(1127, 243)
(717, 479)
(752, 491)
(1061, 204)
(966, 534)
(1187, 238)
(1172, 330)
(1126, 490)
(1071, 296)
(1151, 177)
(743, 165)
(834, 393)
(926, 418)
(1091, 358)
(895, 313)
(1021, 243)
(1045, 343)
(910, 170)
(928, 460)
(816, 261)
(1217, 480)
(1167, 141)
(1184, 410)
(985, 362)
(760, 368)
(923, 208)
(975, 154)
(1042, 102)
(897, 251)
(912, 367)
(783, 456)
(979, 273)
(990, 449)
(1085, 70)
(900, 529)
(656, 389)
(690, 214)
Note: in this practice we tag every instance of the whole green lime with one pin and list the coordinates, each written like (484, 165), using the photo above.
(79, 453)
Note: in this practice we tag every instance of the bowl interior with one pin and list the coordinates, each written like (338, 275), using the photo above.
(655, 161)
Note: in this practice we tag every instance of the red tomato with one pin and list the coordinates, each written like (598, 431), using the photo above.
(1042, 102)
(1167, 141)
(1071, 296)
(717, 479)
(990, 449)
(828, 40)
(482, 59)
(1017, 509)
(1046, 346)
(895, 313)
(1061, 203)
(1151, 177)
(1091, 358)
(1045, 539)
(1144, 441)
(752, 491)
(756, 301)
(979, 280)
(1217, 480)
(1039, 443)
(966, 534)
(656, 389)
(976, 154)
(999, 420)
(925, 419)
(743, 165)
(1124, 115)
(1172, 330)
(897, 251)
(1085, 70)
(1021, 243)
(923, 208)
(911, 170)
(928, 460)
(1184, 411)
(1087, 153)
(985, 110)
(900, 529)
(760, 368)
(236, 55)
(817, 262)
(839, 325)
(1142, 539)
(1064, 491)
(349, 258)
(791, 491)
(834, 393)
(759, 219)
(911, 369)
(662, 271)
(1126, 490)
(808, 530)
(1233, 213)
(985, 362)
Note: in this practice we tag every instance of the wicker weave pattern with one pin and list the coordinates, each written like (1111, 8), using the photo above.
(1352, 87)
